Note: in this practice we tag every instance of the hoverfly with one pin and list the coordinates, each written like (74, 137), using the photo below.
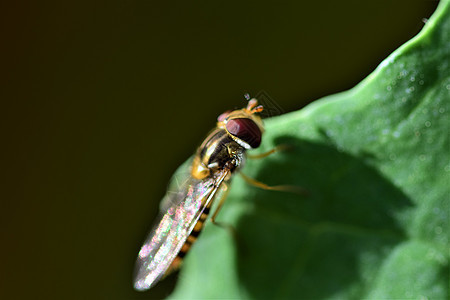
(183, 213)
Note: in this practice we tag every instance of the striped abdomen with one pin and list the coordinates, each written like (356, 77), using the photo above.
(189, 241)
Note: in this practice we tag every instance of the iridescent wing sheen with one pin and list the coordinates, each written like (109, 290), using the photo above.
(179, 213)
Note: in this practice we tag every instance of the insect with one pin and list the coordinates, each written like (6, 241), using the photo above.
(183, 212)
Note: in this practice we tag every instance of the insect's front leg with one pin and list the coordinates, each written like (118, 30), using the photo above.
(283, 188)
(261, 185)
(278, 148)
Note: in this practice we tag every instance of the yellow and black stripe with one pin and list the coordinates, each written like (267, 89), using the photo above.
(189, 241)
(194, 234)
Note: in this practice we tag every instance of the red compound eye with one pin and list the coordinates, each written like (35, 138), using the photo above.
(223, 116)
(246, 130)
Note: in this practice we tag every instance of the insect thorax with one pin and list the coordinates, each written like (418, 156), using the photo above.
(217, 152)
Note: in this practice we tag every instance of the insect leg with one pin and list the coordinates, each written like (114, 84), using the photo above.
(226, 190)
(278, 148)
(228, 227)
(283, 188)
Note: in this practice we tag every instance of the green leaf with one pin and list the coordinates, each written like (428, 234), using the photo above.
(375, 163)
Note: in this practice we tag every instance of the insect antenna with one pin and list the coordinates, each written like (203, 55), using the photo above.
(252, 106)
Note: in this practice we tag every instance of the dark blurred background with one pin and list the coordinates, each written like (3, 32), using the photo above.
(103, 100)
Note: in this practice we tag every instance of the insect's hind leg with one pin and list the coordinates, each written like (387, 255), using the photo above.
(223, 197)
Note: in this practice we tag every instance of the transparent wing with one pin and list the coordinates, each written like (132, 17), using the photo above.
(182, 209)
(178, 186)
